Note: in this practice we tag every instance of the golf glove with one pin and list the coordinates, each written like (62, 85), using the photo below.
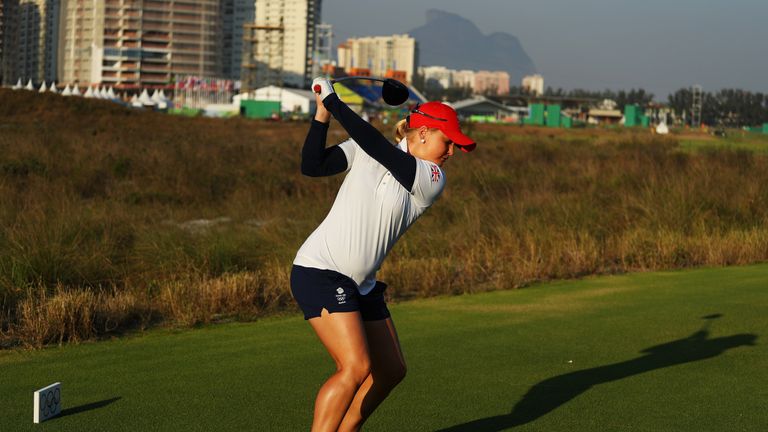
(323, 87)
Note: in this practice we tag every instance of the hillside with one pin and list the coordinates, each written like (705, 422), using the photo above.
(449, 40)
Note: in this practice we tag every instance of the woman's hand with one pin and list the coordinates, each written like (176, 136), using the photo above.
(322, 115)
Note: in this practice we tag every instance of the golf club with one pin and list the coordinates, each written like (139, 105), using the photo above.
(392, 91)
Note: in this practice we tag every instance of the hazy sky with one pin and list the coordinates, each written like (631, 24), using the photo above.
(659, 45)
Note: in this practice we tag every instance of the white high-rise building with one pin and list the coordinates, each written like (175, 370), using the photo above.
(534, 84)
(437, 77)
(280, 43)
(381, 55)
(464, 78)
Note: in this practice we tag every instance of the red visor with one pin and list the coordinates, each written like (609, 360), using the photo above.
(440, 116)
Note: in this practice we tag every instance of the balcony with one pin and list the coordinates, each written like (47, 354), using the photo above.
(155, 16)
(155, 45)
(155, 79)
(157, 6)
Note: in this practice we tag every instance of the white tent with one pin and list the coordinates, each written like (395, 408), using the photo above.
(158, 97)
(76, 90)
(662, 129)
(53, 88)
(67, 91)
(43, 88)
(111, 94)
(30, 86)
(18, 85)
(135, 102)
(89, 93)
(145, 100)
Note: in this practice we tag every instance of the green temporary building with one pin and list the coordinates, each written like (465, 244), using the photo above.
(632, 116)
(553, 116)
(536, 115)
(259, 109)
(765, 128)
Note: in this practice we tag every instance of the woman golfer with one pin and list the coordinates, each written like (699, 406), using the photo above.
(386, 188)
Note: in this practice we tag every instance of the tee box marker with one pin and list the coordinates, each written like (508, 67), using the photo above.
(47, 403)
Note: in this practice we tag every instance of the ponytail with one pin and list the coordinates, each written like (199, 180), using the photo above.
(401, 129)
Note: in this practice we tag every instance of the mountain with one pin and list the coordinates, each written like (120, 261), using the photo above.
(454, 42)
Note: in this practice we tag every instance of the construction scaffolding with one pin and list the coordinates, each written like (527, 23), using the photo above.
(263, 56)
(696, 106)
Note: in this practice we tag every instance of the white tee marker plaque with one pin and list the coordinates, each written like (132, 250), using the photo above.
(47, 403)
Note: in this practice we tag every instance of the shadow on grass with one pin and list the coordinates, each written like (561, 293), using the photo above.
(554, 392)
(88, 407)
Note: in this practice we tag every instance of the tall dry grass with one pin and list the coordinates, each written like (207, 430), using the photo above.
(112, 220)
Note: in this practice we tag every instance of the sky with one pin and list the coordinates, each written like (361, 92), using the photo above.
(658, 45)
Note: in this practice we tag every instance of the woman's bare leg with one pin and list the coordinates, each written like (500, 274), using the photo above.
(387, 370)
(344, 337)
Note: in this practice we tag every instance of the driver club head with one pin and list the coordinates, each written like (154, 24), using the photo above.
(394, 92)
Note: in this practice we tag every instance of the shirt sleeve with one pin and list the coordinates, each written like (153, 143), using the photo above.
(318, 161)
(350, 149)
(428, 184)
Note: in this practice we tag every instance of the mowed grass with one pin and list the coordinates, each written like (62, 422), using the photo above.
(671, 351)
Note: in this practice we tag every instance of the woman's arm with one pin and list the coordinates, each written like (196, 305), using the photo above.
(400, 164)
(316, 160)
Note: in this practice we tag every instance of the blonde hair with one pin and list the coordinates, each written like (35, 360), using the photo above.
(402, 130)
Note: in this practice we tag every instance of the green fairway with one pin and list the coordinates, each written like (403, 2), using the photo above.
(670, 351)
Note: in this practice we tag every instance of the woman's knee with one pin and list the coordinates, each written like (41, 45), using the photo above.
(392, 374)
(356, 371)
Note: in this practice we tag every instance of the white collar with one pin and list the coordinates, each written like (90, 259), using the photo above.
(403, 145)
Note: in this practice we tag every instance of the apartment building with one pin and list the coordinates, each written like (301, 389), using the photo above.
(382, 55)
(533, 84)
(3, 9)
(491, 82)
(437, 77)
(29, 40)
(463, 78)
(280, 43)
(234, 15)
(138, 43)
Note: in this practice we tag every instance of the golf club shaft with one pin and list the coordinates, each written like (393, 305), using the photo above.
(316, 89)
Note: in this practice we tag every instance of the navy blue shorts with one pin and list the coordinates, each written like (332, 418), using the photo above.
(315, 290)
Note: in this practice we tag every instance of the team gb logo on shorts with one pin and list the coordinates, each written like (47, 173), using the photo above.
(340, 296)
(435, 174)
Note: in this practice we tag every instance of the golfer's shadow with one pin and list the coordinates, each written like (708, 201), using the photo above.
(551, 393)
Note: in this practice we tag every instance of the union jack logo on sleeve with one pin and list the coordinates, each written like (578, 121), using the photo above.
(435, 174)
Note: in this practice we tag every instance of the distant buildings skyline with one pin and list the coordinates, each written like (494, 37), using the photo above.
(152, 43)
(381, 56)
(481, 81)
